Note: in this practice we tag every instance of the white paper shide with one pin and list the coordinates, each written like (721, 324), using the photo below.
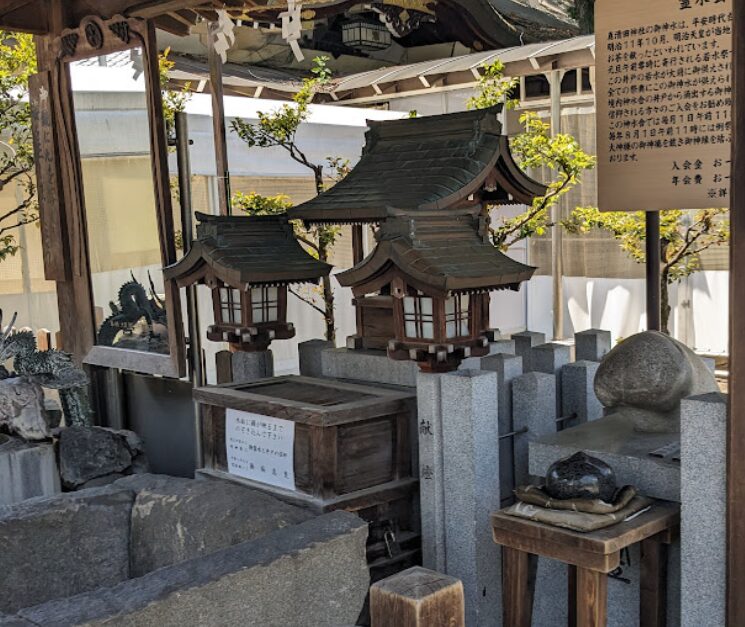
(260, 448)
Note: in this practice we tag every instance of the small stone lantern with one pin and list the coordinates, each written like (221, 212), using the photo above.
(247, 262)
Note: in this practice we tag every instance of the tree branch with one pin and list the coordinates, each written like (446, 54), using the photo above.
(307, 301)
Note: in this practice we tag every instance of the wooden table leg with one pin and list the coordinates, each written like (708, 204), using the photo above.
(572, 595)
(592, 598)
(518, 586)
(653, 584)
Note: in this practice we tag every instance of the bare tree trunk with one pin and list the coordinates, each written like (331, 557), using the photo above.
(323, 255)
(665, 308)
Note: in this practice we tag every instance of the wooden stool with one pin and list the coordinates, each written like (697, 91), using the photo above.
(590, 557)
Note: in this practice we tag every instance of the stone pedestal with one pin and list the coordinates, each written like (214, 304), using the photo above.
(471, 490)
(26, 470)
(592, 345)
(508, 368)
(703, 510)
(578, 392)
(368, 366)
(310, 357)
(534, 409)
(248, 367)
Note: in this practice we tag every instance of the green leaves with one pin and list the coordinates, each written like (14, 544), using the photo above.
(173, 101)
(494, 88)
(17, 64)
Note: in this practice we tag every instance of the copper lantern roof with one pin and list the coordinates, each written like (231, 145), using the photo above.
(243, 250)
(439, 252)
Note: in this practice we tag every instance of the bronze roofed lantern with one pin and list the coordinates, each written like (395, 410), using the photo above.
(423, 293)
(247, 262)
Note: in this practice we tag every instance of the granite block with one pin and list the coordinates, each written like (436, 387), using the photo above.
(248, 367)
(524, 342)
(310, 357)
(703, 509)
(508, 367)
(533, 409)
(26, 470)
(470, 429)
(431, 482)
(592, 345)
(578, 392)
(368, 366)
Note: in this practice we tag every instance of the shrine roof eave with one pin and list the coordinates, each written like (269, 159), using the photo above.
(420, 165)
(428, 268)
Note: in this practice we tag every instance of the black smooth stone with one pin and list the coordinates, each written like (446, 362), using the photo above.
(581, 477)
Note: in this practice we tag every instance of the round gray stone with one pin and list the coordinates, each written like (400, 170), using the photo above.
(652, 372)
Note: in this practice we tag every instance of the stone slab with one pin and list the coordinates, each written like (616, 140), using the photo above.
(27, 471)
(310, 357)
(470, 432)
(253, 366)
(63, 545)
(368, 366)
(703, 510)
(314, 573)
(176, 519)
(614, 440)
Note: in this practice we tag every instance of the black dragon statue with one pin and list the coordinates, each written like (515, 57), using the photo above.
(135, 306)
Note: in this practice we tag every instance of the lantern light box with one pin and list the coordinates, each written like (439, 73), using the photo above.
(247, 262)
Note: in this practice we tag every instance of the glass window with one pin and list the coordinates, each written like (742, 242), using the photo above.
(230, 306)
(456, 316)
(264, 304)
(419, 317)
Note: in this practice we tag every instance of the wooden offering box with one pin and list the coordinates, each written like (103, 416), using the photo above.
(348, 441)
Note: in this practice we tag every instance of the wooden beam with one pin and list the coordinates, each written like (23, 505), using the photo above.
(12, 5)
(154, 8)
(736, 418)
(218, 123)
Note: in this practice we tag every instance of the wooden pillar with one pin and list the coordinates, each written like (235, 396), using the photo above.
(417, 597)
(60, 191)
(557, 240)
(358, 246)
(736, 418)
(218, 124)
(653, 261)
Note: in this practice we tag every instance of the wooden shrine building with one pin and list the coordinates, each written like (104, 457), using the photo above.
(247, 262)
(424, 291)
(452, 161)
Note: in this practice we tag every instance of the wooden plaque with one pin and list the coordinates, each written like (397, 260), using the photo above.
(664, 99)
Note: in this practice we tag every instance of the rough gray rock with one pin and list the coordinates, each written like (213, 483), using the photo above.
(87, 454)
(177, 519)
(22, 409)
(314, 573)
(652, 373)
(63, 545)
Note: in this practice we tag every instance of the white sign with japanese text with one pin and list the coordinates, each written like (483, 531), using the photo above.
(260, 448)
(664, 96)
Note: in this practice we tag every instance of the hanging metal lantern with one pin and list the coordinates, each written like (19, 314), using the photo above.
(363, 34)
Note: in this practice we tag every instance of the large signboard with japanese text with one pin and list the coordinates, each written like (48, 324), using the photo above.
(664, 98)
